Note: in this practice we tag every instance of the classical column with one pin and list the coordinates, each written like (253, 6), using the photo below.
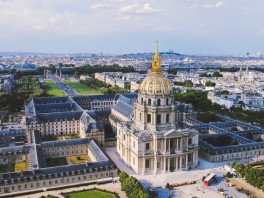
(155, 165)
(177, 147)
(169, 164)
(143, 171)
(169, 144)
(164, 164)
(165, 145)
(181, 143)
(180, 162)
(176, 161)
(186, 158)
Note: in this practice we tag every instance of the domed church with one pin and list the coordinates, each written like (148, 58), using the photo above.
(148, 140)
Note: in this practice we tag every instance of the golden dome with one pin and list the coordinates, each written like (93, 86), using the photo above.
(156, 83)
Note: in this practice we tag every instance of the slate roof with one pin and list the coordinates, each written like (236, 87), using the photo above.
(95, 97)
(97, 114)
(37, 159)
(17, 150)
(59, 107)
(69, 142)
(57, 116)
(49, 100)
(13, 132)
(94, 126)
(124, 108)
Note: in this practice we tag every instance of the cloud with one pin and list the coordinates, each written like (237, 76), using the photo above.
(261, 31)
(218, 4)
(98, 6)
(147, 9)
(129, 8)
(138, 9)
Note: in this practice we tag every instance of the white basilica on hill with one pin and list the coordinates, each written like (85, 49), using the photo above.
(149, 141)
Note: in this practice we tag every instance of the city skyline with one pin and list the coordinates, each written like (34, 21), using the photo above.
(118, 27)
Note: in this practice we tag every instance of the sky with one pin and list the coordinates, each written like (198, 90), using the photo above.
(132, 26)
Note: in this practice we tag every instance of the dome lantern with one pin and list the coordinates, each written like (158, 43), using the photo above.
(156, 83)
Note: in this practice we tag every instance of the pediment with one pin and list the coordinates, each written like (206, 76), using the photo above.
(172, 133)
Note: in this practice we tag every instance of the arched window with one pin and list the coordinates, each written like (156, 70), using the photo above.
(167, 101)
(149, 101)
(158, 102)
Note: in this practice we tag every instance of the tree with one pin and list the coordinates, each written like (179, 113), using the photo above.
(217, 74)
(122, 176)
(76, 74)
(229, 175)
(210, 84)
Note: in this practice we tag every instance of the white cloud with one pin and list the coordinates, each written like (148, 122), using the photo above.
(139, 9)
(98, 6)
(147, 9)
(261, 31)
(129, 8)
(218, 4)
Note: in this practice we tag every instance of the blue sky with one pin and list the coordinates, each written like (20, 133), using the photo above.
(124, 26)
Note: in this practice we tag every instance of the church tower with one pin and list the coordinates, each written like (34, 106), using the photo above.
(155, 107)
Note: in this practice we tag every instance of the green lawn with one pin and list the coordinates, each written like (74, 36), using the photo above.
(59, 161)
(52, 89)
(81, 88)
(90, 194)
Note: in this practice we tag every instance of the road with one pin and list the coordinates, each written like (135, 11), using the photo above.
(64, 87)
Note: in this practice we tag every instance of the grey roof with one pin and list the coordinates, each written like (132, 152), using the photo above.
(37, 159)
(36, 137)
(95, 97)
(94, 126)
(98, 114)
(124, 108)
(17, 150)
(69, 142)
(13, 132)
(50, 100)
(59, 107)
(58, 116)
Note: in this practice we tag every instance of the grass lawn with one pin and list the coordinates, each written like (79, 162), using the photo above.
(90, 194)
(80, 88)
(59, 161)
(52, 89)
(77, 159)
(50, 138)
(73, 136)
(21, 166)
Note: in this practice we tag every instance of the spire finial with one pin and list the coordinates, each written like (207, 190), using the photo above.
(157, 47)
(156, 61)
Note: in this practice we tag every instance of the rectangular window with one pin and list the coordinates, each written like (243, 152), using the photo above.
(147, 146)
(190, 141)
(147, 161)
(158, 119)
(189, 157)
(149, 118)
(167, 118)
